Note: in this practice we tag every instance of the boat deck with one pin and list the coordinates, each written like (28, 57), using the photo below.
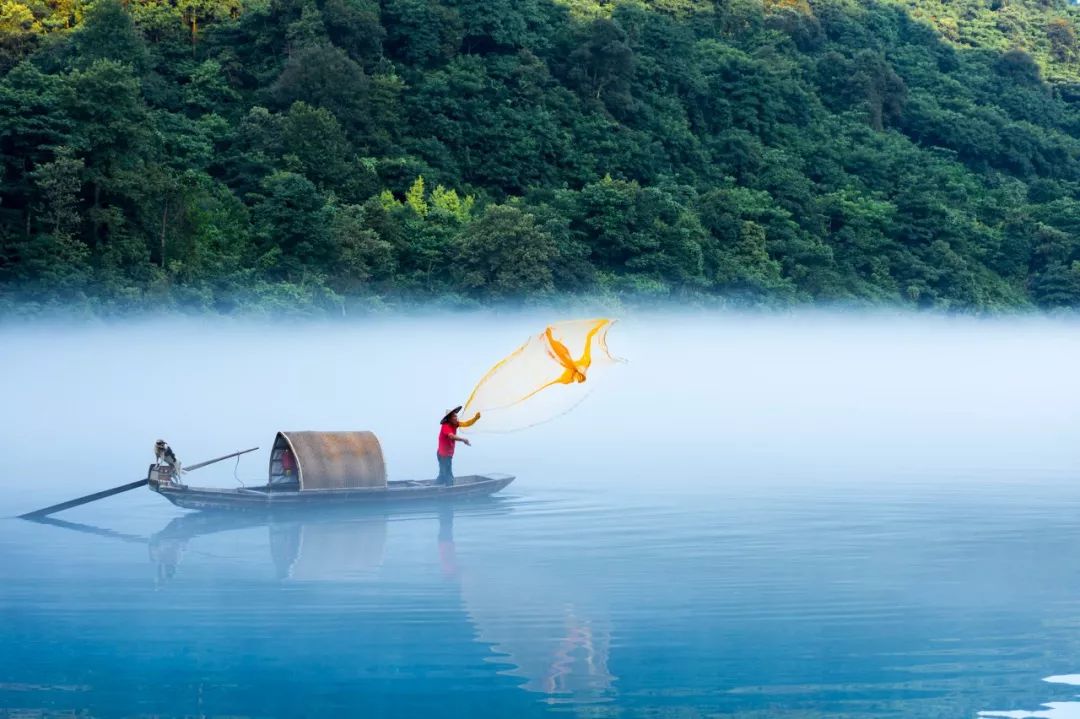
(268, 497)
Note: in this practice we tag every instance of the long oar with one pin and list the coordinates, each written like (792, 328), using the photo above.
(117, 490)
(200, 465)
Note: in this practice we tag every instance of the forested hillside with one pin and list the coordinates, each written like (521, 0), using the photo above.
(319, 155)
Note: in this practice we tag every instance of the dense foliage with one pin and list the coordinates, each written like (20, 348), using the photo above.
(317, 153)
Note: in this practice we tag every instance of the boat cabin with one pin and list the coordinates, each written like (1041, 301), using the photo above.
(316, 461)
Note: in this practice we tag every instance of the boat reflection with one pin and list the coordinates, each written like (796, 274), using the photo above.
(555, 637)
(309, 547)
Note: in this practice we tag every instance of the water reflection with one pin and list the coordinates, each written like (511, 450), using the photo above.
(308, 548)
(557, 638)
(533, 625)
(1051, 710)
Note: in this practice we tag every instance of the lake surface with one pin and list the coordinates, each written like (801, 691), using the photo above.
(786, 517)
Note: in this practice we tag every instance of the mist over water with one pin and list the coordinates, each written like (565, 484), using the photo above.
(772, 515)
(711, 397)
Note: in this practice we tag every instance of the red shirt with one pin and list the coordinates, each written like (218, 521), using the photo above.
(446, 445)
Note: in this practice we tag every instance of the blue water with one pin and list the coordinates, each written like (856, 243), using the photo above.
(660, 554)
(911, 601)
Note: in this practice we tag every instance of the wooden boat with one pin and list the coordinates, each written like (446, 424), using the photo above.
(321, 469)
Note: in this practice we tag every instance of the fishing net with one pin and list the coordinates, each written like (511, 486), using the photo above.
(542, 378)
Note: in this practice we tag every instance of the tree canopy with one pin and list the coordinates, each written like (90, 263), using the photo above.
(313, 155)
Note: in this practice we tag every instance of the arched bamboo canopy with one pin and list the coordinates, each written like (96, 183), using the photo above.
(332, 460)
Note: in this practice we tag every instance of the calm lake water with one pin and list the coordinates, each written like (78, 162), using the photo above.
(786, 517)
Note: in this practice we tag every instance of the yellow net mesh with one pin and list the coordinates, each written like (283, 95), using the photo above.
(540, 379)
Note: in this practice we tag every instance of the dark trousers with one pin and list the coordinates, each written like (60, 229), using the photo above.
(446, 471)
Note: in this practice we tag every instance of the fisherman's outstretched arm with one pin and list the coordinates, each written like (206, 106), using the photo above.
(469, 422)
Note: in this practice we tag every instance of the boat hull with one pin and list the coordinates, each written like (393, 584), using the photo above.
(267, 500)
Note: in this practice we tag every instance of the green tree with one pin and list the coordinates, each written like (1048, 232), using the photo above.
(602, 67)
(422, 32)
(293, 227)
(324, 76)
(108, 32)
(313, 136)
(32, 122)
(19, 32)
(364, 258)
(202, 11)
(504, 255)
(59, 184)
(1058, 286)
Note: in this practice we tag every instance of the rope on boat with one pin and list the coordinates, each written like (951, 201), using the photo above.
(235, 475)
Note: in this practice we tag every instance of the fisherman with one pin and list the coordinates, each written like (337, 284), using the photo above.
(448, 437)
(288, 465)
(163, 453)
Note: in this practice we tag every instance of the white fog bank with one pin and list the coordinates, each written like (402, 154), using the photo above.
(704, 397)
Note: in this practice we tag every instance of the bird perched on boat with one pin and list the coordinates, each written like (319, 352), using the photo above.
(163, 453)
